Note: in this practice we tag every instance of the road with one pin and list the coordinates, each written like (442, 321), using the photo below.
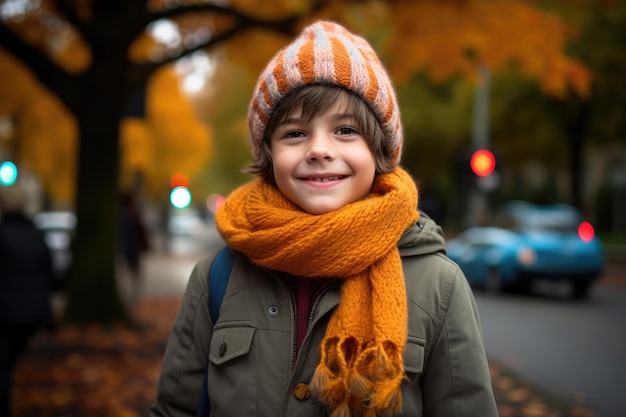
(567, 347)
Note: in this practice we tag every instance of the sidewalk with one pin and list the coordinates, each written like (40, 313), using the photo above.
(164, 275)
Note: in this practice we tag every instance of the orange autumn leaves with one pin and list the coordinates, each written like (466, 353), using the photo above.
(94, 370)
(441, 38)
(452, 38)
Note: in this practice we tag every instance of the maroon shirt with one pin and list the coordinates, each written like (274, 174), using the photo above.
(304, 292)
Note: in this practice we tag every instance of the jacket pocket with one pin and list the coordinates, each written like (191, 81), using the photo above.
(228, 343)
(233, 370)
(414, 356)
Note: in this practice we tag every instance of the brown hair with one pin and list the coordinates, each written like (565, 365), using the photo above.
(315, 100)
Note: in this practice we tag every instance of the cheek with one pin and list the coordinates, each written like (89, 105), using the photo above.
(364, 160)
(280, 160)
(283, 166)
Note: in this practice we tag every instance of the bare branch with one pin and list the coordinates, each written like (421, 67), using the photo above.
(284, 25)
(192, 8)
(143, 71)
(245, 22)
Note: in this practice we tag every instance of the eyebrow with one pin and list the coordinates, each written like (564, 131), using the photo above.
(338, 116)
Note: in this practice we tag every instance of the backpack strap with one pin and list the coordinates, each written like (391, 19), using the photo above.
(218, 281)
(220, 272)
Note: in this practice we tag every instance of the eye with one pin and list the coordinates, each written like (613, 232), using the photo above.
(293, 134)
(346, 131)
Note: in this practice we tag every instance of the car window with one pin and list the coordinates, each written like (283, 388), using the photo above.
(486, 236)
(546, 220)
(551, 224)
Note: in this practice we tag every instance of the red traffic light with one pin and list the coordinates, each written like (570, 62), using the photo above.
(483, 162)
(179, 180)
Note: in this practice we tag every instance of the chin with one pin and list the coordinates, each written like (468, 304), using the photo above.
(322, 209)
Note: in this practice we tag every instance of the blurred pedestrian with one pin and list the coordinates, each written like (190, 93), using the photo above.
(341, 300)
(25, 285)
(134, 241)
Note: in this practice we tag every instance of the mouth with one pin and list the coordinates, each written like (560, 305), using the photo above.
(325, 179)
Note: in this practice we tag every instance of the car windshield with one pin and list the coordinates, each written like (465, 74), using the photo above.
(486, 235)
(550, 222)
(555, 220)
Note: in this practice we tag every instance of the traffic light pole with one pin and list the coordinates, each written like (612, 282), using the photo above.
(477, 204)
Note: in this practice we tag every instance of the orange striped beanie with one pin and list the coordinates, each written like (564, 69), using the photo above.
(325, 53)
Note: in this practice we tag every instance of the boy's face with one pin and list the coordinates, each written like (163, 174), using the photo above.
(322, 164)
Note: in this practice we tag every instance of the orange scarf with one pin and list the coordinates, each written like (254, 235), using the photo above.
(361, 365)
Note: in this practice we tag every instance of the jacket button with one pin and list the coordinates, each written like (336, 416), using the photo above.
(302, 391)
(273, 311)
(222, 349)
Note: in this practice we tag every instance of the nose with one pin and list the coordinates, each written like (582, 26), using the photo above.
(320, 148)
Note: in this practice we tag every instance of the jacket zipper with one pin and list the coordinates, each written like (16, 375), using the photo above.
(314, 308)
(294, 318)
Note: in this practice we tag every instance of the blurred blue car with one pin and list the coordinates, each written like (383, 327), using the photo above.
(528, 242)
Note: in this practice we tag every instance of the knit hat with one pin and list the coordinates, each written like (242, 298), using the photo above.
(325, 53)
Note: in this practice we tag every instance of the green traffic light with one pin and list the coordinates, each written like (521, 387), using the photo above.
(8, 173)
(180, 197)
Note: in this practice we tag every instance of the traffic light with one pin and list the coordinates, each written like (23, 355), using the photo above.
(483, 162)
(8, 173)
(180, 197)
(179, 180)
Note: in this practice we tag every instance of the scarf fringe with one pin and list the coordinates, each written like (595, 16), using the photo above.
(353, 380)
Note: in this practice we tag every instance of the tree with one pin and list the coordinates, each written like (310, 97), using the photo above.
(160, 134)
(557, 131)
(99, 66)
(96, 93)
(599, 120)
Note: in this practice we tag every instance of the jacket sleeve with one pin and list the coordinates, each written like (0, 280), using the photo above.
(456, 380)
(186, 352)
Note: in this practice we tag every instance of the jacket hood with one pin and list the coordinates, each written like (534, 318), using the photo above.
(424, 237)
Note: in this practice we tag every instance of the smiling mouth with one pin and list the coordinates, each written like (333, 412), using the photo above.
(326, 179)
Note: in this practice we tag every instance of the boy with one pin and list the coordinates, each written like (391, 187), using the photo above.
(341, 301)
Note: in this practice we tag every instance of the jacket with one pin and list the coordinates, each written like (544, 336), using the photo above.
(253, 370)
(25, 274)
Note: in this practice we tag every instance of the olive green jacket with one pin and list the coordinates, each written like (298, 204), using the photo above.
(253, 370)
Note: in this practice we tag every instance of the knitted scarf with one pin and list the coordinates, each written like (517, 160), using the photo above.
(361, 365)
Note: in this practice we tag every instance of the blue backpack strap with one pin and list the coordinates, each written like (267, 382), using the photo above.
(218, 281)
(220, 272)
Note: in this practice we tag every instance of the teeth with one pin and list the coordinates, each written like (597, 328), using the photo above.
(326, 179)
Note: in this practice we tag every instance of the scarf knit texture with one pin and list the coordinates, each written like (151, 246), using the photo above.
(361, 367)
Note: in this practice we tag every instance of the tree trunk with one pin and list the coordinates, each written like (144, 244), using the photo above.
(93, 294)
